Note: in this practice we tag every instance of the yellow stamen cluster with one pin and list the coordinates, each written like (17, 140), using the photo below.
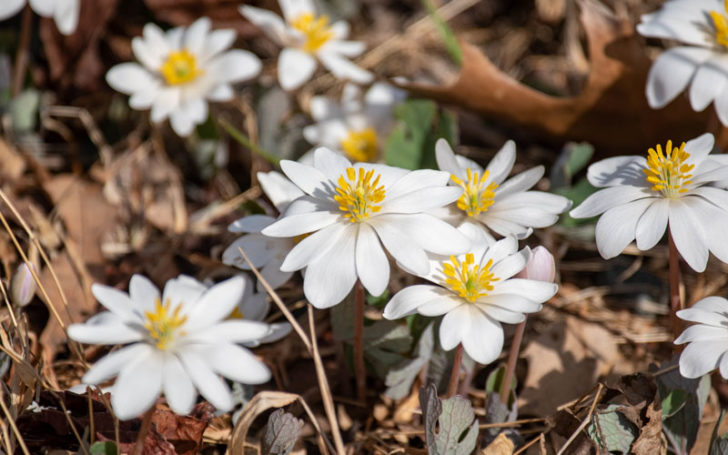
(667, 172)
(359, 194)
(469, 280)
(361, 145)
(163, 323)
(316, 30)
(478, 196)
(236, 314)
(720, 22)
(180, 68)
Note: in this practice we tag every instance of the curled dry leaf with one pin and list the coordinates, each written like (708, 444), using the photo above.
(502, 445)
(611, 112)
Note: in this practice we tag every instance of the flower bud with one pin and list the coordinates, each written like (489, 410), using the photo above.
(540, 267)
(22, 286)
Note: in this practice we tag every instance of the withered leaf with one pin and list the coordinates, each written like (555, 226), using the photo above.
(281, 433)
(650, 440)
(611, 430)
(450, 425)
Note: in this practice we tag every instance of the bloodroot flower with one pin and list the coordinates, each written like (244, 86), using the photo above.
(641, 196)
(354, 213)
(181, 70)
(707, 340)
(702, 27)
(475, 292)
(179, 342)
(64, 12)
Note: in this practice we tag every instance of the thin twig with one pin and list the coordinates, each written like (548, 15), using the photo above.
(505, 390)
(455, 373)
(529, 444)
(14, 427)
(360, 371)
(584, 422)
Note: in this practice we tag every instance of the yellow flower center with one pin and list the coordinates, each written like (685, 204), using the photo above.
(359, 194)
(720, 22)
(477, 196)
(667, 172)
(180, 68)
(163, 323)
(316, 30)
(360, 145)
(236, 314)
(469, 280)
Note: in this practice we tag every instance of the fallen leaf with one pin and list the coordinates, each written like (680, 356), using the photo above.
(502, 445)
(281, 433)
(450, 425)
(651, 441)
(611, 112)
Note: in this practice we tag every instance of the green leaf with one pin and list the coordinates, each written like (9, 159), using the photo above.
(572, 159)
(103, 448)
(400, 378)
(24, 111)
(450, 425)
(281, 433)
(611, 430)
(404, 146)
(577, 193)
(673, 402)
(448, 37)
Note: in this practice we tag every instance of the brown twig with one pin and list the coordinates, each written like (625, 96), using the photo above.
(13, 427)
(674, 274)
(505, 389)
(455, 373)
(584, 422)
(21, 58)
(360, 371)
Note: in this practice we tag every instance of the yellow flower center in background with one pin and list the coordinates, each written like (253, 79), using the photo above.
(316, 30)
(236, 314)
(359, 194)
(477, 196)
(468, 279)
(180, 68)
(164, 324)
(360, 145)
(668, 173)
(720, 22)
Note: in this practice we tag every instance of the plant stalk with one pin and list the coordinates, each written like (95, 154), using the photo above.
(455, 373)
(143, 431)
(676, 303)
(360, 371)
(23, 52)
(505, 389)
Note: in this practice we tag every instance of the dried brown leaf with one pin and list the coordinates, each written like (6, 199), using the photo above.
(502, 445)
(651, 441)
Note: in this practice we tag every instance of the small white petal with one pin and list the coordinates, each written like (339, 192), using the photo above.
(410, 299)
(110, 365)
(238, 364)
(313, 247)
(292, 9)
(537, 291)
(106, 333)
(232, 331)
(143, 292)
(9, 8)
(138, 386)
(216, 303)
(207, 382)
(521, 182)
(177, 385)
(484, 341)
(701, 357)
(234, 66)
(652, 225)
(343, 68)
(217, 41)
(293, 225)
(607, 199)
(617, 227)
(702, 333)
(330, 277)
(455, 327)
(618, 171)
(251, 223)
(502, 163)
(671, 73)
(66, 15)
(129, 78)
(271, 24)
(426, 231)
(279, 189)
(709, 80)
(446, 159)
(372, 265)
(294, 68)
(309, 179)
(688, 233)
(401, 246)
(196, 35)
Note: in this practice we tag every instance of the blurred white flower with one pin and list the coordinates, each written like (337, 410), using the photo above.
(64, 12)
(266, 253)
(642, 195)
(476, 292)
(708, 339)
(307, 36)
(255, 306)
(181, 70)
(350, 212)
(505, 207)
(358, 125)
(179, 341)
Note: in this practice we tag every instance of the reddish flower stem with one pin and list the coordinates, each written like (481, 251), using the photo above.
(23, 52)
(360, 372)
(143, 431)
(455, 373)
(676, 303)
(505, 390)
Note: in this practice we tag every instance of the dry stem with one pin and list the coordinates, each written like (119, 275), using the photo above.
(505, 390)
(455, 373)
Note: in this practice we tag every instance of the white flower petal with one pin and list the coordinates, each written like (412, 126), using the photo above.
(143, 292)
(138, 386)
(346, 48)
(234, 66)
(537, 291)
(617, 227)
(110, 365)
(313, 247)
(9, 8)
(717, 305)
(511, 265)
(309, 179)
(331, 276)
(292, 9)
(238, 364)
(683, 21)
(223, 92)
(343, 68)
(721, 105)
(484, 341)
(177, 385)
(502, 163)
(446, 159)
(511, 302)
(652, 224)
(331, 164)
(216, 303)
(271, 24)
(422, 200)
(521, 182)
(279, 189)
(217, 41)
(116, 301)
(182, 123)
(129, 78)
(66, 14)
(293, 225)
(106, 333)
(196, 35)
(428, 232)
(699, 148)
(703, 333)
(207, 382)
(701, 357)
(401, 246)
(410, 299)
(255, 246)
(167, 101)
(295, 67)
(455, 327)
(340, 30)
(251, 223)
(686, 228)
(273, 275)
(671, 73)
(372, 265)
(607, 199)
(414, 181)
(709, 80)
(230, 331)
(618, 171)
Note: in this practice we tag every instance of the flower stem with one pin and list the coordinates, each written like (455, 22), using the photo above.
(240, 137)
(143, 431)
(676, 303)
(505, 390)
(455, 373)
(360, 371)
(22, 53)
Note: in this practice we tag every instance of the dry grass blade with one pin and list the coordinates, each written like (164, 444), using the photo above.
(260, 403)
(584, 422)
(14, 427)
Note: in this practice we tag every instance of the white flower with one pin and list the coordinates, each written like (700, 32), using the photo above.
(180, 343)
(307, 36)
(475, 292)
(642, 196)
(181, 70)
(702, 62)
(490, 201)
(350, 212)
(358, 125)
(708, 339)
(64, 12)
(266, 253)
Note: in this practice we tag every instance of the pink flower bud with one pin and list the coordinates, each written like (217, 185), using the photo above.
(22, 286)
(540, 267)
